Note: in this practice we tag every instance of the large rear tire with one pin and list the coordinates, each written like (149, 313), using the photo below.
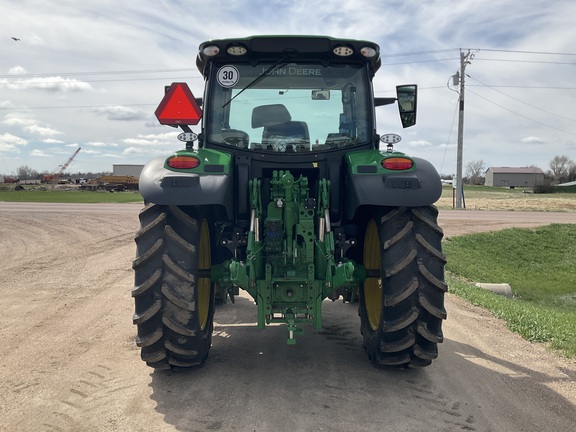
(173, 294)
(402, 298)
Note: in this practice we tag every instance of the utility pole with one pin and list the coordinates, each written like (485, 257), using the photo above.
(465, 59)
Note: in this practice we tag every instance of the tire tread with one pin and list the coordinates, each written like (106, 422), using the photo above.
(413, 289)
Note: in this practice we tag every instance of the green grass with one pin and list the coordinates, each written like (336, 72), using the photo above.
(539, 265)
(60, 196)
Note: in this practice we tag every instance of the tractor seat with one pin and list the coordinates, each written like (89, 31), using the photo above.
(289, 136)
(280, 132)
(292, 130)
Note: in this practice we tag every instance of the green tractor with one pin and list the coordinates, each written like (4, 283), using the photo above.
(288, 195)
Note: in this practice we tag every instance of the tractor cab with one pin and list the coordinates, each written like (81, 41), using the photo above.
(292, 107)
(290, 94)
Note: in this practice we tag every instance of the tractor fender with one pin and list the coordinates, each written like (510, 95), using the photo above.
(419, 187)
(161, 186)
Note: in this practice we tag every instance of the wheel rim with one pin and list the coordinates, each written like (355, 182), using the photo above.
(204, 283)
(372, 285)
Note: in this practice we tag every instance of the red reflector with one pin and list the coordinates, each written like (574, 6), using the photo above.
(397, 163)
(183, 162)
(178, 106)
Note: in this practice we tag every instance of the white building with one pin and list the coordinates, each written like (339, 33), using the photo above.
(514, 177)
(127, 170)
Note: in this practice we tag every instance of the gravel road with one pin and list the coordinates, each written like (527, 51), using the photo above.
(68, 361)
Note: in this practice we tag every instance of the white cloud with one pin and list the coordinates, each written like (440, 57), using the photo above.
(30, 125)
(52, 141)
(17, 120)
(420, 143)
(100, 144)
(42, 130)
(121, 113)
(447, 146)
(143, 151)
(17, 70)
(50, 84)
(39, 153)
(92, 152)
(33, 39)
(10, 143)
(533, 140)
(161, 139)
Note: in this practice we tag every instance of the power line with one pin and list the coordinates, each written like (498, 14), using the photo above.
(384, 56)
(420, 88)
(528, 87)
(75, 107)
(521, 52)
(449, 136)
(420, 53)
(419, 61)
(118, 72)
(32, 82)
(522, 102)
(482, 59)
(528, 61)
(477, 49)
(521, 115)
(193, 69)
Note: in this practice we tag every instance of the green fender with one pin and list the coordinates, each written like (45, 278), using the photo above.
(369, 183)
(211, 182)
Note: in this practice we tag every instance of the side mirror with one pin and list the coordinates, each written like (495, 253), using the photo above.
(406, 95)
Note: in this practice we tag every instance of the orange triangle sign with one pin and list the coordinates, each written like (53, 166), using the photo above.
(178, 107)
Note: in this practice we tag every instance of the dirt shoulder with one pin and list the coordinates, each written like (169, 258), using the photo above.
(68, 360)
(458, 222)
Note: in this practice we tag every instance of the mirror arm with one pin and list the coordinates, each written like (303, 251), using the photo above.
(379, 101)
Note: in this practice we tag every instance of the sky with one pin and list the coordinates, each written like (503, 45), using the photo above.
(91, 73)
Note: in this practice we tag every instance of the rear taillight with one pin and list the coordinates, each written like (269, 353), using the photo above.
(183, 162)
(397, 163)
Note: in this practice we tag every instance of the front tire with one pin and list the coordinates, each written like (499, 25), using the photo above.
(402, 298)
(173, 294)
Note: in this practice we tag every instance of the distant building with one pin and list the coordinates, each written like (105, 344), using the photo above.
(127, 170)
(514, 177)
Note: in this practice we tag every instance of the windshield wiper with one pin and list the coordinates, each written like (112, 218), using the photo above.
(280, 63)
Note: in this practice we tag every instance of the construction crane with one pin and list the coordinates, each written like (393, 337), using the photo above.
(54, 177)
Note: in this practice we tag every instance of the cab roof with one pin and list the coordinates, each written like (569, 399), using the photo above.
(256, 49)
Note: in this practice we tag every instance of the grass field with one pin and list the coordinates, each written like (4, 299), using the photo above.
(489, 198)
(68, 196)
(539, 266)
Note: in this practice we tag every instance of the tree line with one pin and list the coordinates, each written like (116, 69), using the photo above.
(24, 172)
